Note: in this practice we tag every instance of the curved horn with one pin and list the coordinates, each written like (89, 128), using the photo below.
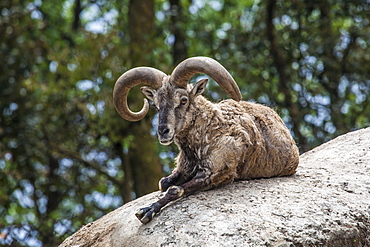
(187, 68)
(141, 75)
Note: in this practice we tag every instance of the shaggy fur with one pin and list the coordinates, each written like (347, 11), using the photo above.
(218, 142)
(235, 140)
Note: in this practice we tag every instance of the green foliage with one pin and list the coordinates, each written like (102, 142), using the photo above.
(308, 60)
(58, 167)
(65, 152)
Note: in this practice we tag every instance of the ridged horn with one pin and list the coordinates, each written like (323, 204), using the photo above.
(141, 75)
(191, 66)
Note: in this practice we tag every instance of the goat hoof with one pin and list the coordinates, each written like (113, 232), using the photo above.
(164, 184)
(141, 212)
(145, 214)
(147, 217)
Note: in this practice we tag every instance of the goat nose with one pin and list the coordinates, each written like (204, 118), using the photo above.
(163, 130)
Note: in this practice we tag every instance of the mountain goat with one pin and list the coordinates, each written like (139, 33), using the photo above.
(218, 142)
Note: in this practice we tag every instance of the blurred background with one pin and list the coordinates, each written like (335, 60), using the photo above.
(66, 156)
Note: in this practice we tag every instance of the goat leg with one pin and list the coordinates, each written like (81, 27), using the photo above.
(146, 214)
(176, 178)
(168, 181)
(199, 182)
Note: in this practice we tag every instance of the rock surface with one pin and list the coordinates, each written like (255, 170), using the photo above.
(327, 203)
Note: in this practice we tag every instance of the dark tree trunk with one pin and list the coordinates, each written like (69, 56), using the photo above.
(179, 49)
(143, 160)
(280, 64)
(77, 11)
(141, 31)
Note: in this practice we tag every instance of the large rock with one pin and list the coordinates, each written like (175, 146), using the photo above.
(327, 203)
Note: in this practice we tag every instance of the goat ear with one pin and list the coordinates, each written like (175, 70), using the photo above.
(199, 87)
(148, 92)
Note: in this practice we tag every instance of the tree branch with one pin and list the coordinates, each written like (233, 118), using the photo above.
(73, 155)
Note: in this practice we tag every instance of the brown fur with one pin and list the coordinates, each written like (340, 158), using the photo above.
(243, 139)
(218, 143)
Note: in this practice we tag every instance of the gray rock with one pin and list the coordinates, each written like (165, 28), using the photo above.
(326, 203)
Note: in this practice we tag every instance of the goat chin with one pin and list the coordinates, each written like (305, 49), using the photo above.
(166, 142)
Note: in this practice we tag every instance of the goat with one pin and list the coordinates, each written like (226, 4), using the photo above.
(218, 142)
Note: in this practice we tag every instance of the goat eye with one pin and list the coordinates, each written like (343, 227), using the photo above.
(183, 101)
(156, 107)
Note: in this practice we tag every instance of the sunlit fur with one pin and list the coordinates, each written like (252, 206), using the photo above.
(222, 141)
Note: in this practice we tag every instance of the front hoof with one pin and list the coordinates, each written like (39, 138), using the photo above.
(145, 214)
(141, 212)
(164, 184)
(147, 217)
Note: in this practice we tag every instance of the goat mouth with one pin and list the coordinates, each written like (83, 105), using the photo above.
(166, 142)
